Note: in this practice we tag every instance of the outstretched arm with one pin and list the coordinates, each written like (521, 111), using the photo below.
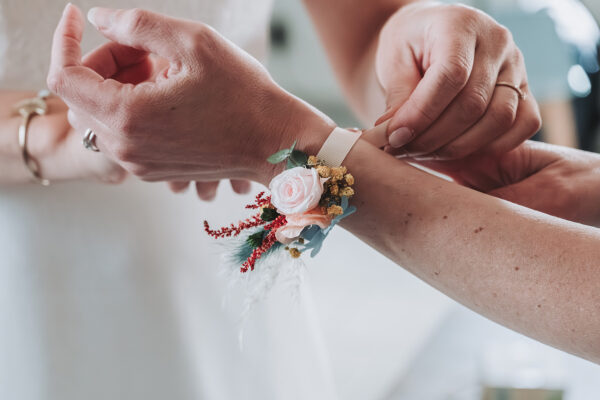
(529, 271)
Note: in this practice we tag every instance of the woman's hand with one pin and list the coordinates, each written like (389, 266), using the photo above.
(553, 179)
(439, 66)
(213, 113)
(53, 143)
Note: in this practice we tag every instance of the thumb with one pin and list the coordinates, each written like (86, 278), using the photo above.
(398, 87)
(398, 79)
(140, 29)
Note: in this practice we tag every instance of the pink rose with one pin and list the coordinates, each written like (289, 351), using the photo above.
(296, 222)
(296, 190)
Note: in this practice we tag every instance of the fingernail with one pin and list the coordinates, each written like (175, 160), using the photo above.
(91, 15)
(400, 137)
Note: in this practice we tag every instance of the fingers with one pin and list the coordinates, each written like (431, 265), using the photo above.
(527, 124)
(464, 111)
(111, 58)
(241, 186)
(443, 81)
(207, 191)
(179, 186)
(68, 78)
(140, 29)
(498, 119)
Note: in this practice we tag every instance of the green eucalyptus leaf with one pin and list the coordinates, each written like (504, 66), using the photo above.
(280, 156)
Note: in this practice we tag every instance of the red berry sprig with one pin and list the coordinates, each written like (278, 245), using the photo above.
(248, 223)
(267, 243)
(233, 230)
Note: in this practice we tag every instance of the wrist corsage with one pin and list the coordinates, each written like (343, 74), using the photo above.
(305, 202)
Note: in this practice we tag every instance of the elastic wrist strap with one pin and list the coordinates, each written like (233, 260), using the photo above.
(337, 146)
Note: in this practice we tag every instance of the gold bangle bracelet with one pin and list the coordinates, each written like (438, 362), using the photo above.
(28, 109)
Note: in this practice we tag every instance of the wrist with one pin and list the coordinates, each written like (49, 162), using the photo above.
(300, 123)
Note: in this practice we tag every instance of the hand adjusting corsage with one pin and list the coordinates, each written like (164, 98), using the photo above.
(306, 201)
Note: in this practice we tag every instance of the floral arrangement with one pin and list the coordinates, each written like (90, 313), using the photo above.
(307, 200)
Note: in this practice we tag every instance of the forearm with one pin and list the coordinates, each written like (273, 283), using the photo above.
(349, 30)
(531, 272)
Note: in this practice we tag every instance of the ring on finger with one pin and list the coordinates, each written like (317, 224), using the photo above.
(89, 141)
(522, 95)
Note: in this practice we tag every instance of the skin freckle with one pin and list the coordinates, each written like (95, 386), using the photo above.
(517, 268)
(445, 217)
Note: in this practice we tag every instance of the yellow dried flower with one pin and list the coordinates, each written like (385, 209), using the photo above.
(337, 173)
(347, 191)
(334, 189)
(324, 171)
(313, 160)
(335, 210)
(295, 253)
(349, 179)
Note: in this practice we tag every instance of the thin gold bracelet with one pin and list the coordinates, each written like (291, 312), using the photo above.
(28, 109)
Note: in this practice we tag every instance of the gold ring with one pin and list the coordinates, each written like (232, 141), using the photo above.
(522, 95)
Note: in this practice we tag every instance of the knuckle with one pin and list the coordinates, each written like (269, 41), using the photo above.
(117, 176)
(501, 34)
(139, 170)
(124, 153)
(504, 115)
(56, 82)
(136, 20)
(533, 123)
(473, 105)
(468, 17)
(455, 72)
(202, 41)
(518, 58)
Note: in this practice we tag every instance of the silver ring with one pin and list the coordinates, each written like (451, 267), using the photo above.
(89, 141)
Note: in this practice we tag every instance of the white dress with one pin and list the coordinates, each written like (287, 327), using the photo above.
(112, 292)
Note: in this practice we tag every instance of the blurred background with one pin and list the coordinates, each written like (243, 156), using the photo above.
(395, 337)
